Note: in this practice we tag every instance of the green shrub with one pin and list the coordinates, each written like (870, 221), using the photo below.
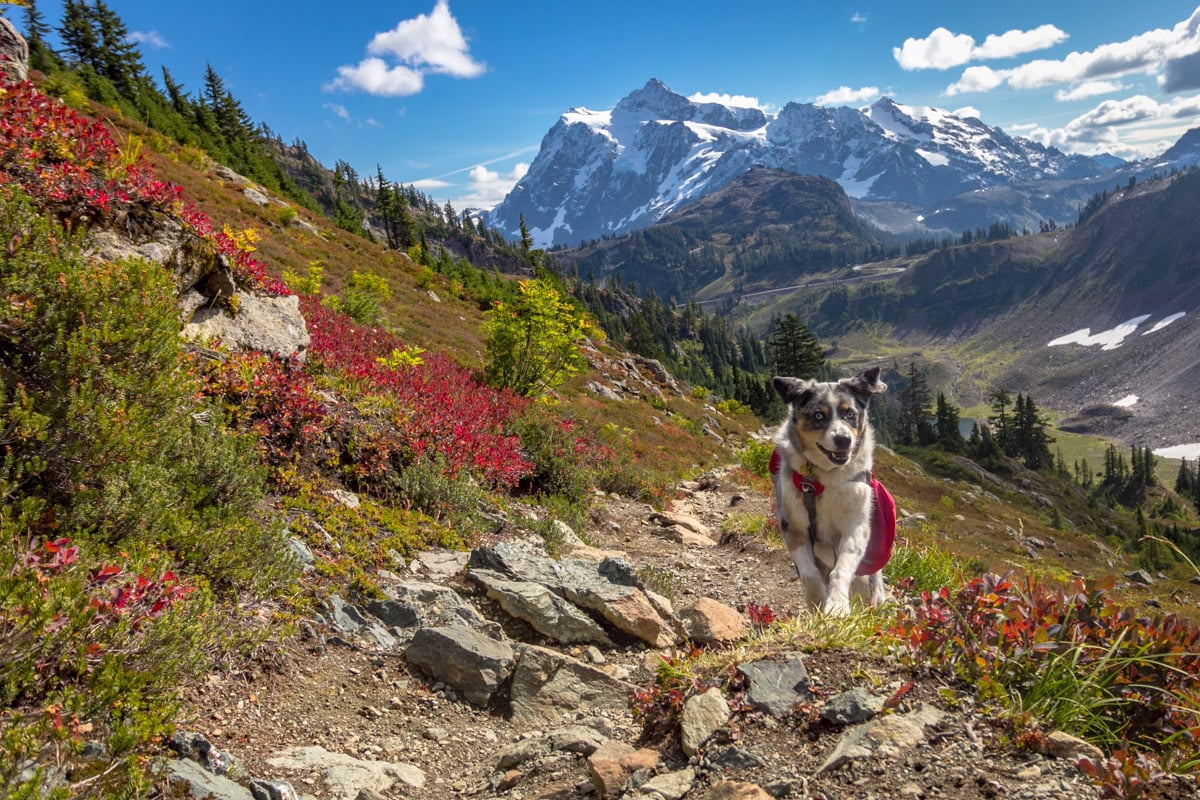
(756, 457)
(533, 341)
(126, 506)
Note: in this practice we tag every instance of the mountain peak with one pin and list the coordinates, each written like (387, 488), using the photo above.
(655, 100)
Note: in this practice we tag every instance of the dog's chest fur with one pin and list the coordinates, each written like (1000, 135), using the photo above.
(842, 509)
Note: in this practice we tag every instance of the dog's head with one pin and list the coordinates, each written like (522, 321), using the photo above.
(828, 421)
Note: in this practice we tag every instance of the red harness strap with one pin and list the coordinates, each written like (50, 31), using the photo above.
(883, 516)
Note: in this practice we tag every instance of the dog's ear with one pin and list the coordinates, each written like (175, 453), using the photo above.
(865, 383)
(793, 390)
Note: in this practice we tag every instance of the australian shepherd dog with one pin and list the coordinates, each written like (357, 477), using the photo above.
(826, 496)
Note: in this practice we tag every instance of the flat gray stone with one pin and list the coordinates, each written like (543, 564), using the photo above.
(345, 775)
(776, 686)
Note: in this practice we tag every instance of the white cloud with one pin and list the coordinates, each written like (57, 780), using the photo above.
(1014, 43)
(943, 49)
(1173, 54)
(732, 100)
(858, 17)
(486, 188)
(429, 184)
(977, 79)
(343, 113)
(844, 95)
(1132, 127)
(1087, 89)
(430, 43)
(967, 112)
(151, 38)
(374, 76)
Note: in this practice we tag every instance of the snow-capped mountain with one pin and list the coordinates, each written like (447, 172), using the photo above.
(609, 172)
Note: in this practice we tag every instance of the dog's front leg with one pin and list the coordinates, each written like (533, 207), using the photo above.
(850, 553)
(801, 550)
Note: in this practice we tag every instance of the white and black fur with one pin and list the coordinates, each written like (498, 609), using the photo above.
(827, 437)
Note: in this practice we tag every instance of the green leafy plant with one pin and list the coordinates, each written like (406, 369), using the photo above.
(533, 341)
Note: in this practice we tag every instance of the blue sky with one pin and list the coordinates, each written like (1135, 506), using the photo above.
(454, 96)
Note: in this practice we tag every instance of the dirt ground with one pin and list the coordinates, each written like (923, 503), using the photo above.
(372, 706)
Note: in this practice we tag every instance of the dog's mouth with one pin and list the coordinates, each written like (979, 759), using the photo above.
(838, 457)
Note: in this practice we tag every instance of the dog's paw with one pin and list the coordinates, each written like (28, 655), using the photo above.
(836, 605)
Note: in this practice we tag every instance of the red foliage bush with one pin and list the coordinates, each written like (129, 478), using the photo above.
(72, 167)
(438, 408)
(993, 631)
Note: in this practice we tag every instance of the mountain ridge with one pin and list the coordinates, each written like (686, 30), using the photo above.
(600, 173)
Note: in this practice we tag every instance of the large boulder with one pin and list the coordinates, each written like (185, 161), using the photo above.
(14, 53)
(270, 324)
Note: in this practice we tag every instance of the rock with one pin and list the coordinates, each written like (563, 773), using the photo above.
(192, 261)
(545, 611)
(415, 604)
(670, 785)
(703, 715)
(473, 664)
(775, 687)
(600, 390)
(686, 537)
(197, 747)
(346, 776)
(226, 174)
(440, 563)
(852, 707)
(272, 790)
(612, 763)
(547, 684)
(707, 620)
(673, 520)
(14, 53)
(188, 776)
(883, 737)
(1140, 576)
(734, 758)
(610, 588)
(580, 739)
(738, 790)
(255, 196)
(302, 552)
(348, 499)
(270, 324)
(1063, 745)
(630, 610)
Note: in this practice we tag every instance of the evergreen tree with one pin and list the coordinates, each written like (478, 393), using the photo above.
(1031, 441)
(946, 420)
(41, 56)
(916, 411)
(795, 350)
(1001, 422)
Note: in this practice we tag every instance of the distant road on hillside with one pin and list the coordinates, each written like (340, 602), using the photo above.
(866, 272)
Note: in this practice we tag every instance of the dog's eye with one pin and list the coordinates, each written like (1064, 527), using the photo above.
(850, 415)
(818, 416)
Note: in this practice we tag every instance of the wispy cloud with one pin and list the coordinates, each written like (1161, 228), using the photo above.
(943, 49)
(1173, 54)
(398, 60)
(343, 113)
(844, 95)
(150, 38)
(858, 18)
(733, 100)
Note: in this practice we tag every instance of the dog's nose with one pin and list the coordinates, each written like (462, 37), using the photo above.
(841, 442)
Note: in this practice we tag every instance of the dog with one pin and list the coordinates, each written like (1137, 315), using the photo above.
(824, 454)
